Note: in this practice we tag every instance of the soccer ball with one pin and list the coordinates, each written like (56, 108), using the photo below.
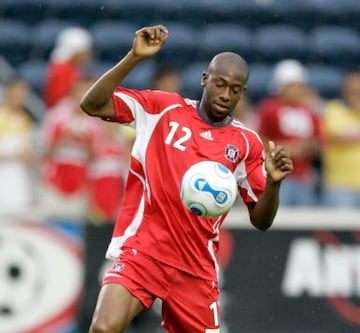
(208, 189)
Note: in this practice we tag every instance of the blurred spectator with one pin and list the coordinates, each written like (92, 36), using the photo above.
(341, 120)
(167, 79)
(69, 137)
(287, 120)
(107, 174)
(17, 152)
(72, 50)
(313, 100)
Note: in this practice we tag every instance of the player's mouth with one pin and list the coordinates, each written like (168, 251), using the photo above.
(221, 107)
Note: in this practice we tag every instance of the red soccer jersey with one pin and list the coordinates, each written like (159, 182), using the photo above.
(290, 123)
(107, 178)
(172, 136)
(69, 139)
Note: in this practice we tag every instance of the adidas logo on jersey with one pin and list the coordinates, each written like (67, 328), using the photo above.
(207, 135)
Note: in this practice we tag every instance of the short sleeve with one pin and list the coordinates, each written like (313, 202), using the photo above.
(128, 103)
(251, 172)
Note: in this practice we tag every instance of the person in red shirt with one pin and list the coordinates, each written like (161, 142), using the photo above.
(69, 138)
(286, 118)
(162, 250)
(107, 174)
(72, 50)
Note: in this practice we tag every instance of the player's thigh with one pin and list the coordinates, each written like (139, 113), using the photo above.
(116, 307)
(193, 306)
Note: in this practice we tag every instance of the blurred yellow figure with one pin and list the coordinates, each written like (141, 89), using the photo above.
(17, 152)
(341, 121)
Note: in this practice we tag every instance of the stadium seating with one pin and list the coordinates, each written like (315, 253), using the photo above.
(304, 14)
(224, 37)
(112, 39)
(263, 31)
(30, 12)
(191, 78)
(97, 68)
(246, 12)
(83, 12)
(194, 13)
(259, 79)
(181, 46)
(335, 45)
(325, 79)
(344, 12)
(139, 78)
(15, 41)
(33, 72)
(138, 12)
(278, 41)
(44, 36)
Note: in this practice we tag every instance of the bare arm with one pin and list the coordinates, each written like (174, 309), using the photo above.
(278, 165)
(97, 101)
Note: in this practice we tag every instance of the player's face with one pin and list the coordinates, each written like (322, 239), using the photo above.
(222, 91)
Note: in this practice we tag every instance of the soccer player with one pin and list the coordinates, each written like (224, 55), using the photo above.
(160, 249)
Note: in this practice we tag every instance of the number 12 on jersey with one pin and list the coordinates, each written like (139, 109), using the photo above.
(185, 135)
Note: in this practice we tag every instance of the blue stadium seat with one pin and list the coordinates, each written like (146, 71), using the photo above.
(344, 12)
(140, 77)
(304, 14)
(83, 12)
(15, 41)
(33, 72)
(195, 13)
(191, 78)
(26, 11)
(224, 37)
(259, 79)
(44, 37)
(246, 12)
(335, 45)
(181, 46)
(325, 79)
(142, 12)
(97, 68)
(112, 39)
(279, 41)
(139, 12)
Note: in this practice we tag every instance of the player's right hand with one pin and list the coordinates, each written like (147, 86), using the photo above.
(149, 40)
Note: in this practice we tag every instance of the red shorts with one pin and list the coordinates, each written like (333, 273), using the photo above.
(189, 304)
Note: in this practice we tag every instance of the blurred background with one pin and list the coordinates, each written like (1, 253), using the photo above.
(62, 173)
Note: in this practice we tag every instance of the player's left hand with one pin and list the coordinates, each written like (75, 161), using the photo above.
(149, 40)
(278, 164)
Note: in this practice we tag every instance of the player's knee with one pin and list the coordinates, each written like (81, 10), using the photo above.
(104, 326)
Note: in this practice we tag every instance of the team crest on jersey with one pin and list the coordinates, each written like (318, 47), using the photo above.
(231, 153)
(118, 267)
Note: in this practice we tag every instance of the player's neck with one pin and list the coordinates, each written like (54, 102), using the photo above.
(212, 121)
